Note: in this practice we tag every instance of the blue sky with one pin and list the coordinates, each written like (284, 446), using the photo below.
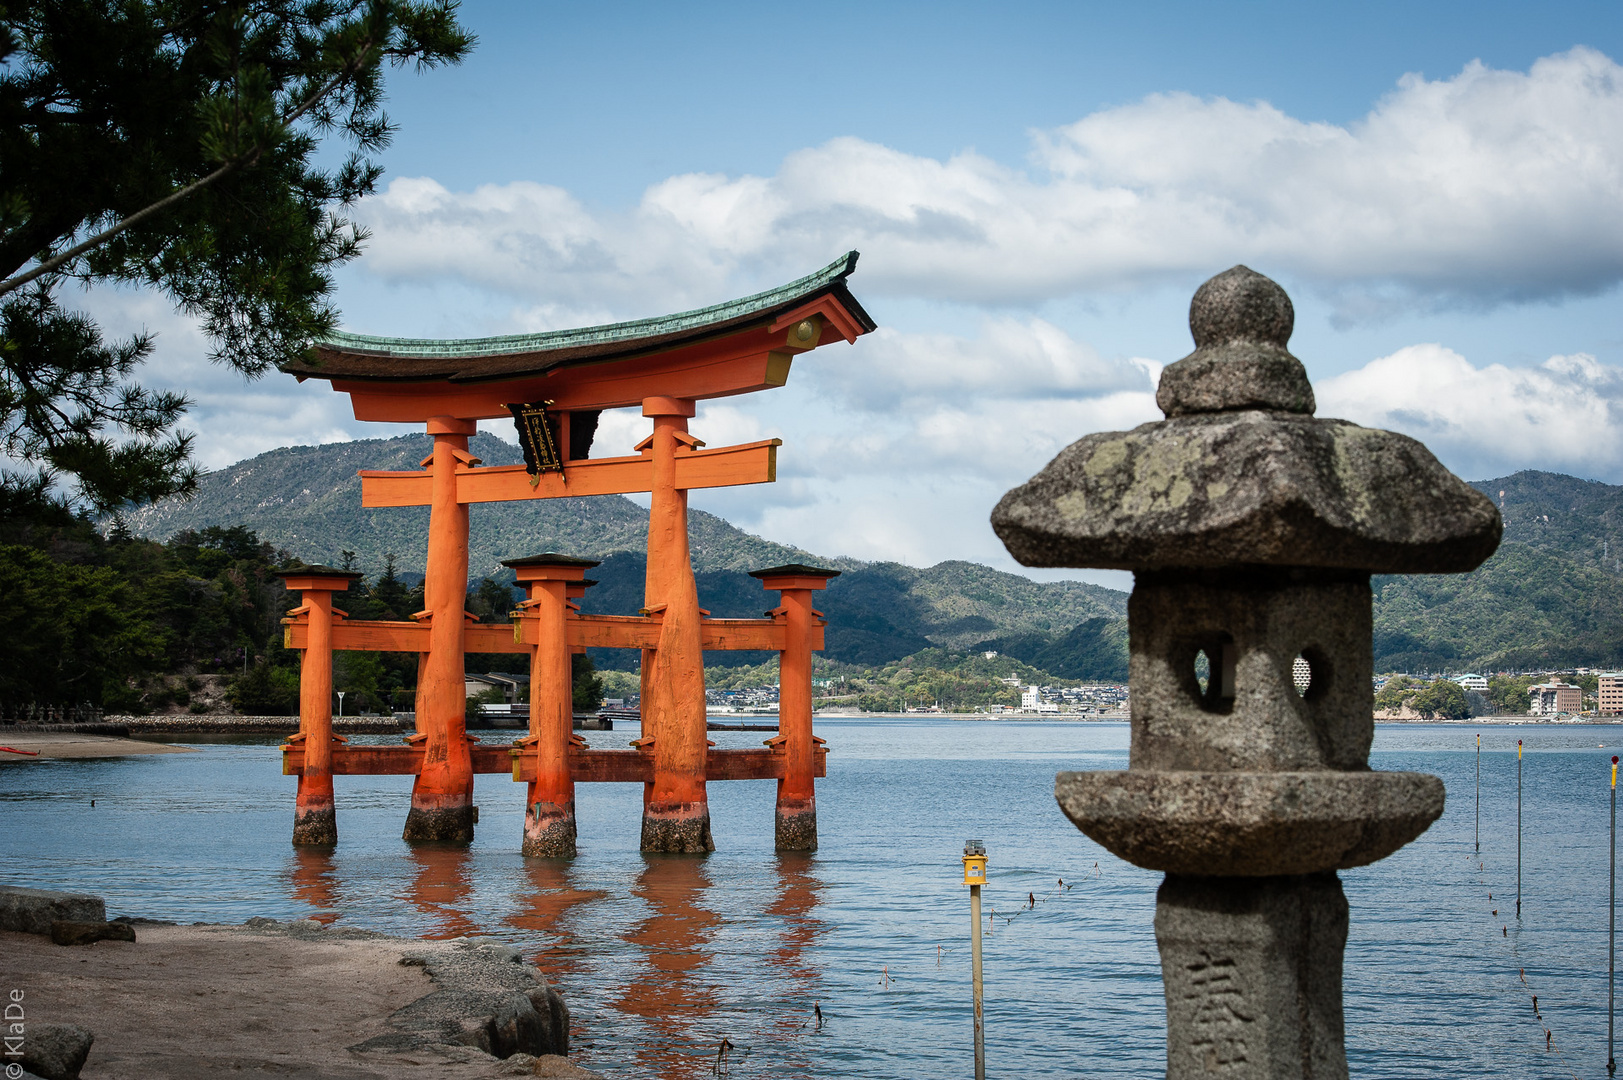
(1036, 189)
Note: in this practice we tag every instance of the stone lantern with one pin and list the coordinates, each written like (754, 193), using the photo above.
(1252, 529)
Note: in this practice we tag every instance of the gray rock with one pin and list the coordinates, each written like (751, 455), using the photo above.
(56, 1051)
(32, 911)
(1250, 824)
(485, 997)
(64, 932)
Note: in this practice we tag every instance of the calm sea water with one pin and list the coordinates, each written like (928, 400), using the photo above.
(662, 958)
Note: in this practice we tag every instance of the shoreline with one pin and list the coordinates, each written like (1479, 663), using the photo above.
(67, 745)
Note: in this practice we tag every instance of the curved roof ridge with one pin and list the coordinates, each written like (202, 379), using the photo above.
(832, 274)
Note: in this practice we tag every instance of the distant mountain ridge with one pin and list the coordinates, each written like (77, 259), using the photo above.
(1552, 596)
(307, 499)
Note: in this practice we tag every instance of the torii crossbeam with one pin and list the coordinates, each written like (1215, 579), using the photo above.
(564, 379)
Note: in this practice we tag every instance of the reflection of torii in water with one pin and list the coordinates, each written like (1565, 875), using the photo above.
(561, 382)
(676, 943)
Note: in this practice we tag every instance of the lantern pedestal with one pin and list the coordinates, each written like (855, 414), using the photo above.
(1252, 971)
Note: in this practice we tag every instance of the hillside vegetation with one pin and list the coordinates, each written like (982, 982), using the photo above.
(306, 499)
(1551, 597)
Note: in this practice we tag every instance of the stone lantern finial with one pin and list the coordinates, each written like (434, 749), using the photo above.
(1252, 528)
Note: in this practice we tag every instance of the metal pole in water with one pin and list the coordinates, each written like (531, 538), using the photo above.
(1611, 932)
(1479, 792)
(1518, 828)
(974, 876)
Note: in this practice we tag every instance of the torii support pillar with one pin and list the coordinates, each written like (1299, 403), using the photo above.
(549, 807)
(796, 826)
(675, 812)
(315, 819)
(442, 797)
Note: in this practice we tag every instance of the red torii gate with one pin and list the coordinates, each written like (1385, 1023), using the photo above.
(565, 379)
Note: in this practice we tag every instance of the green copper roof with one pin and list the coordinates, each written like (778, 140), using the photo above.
(551, 340)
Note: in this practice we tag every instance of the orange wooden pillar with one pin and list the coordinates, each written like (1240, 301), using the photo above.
(676, 814)
(442, 797)
(796, 828)
(315, 819)
(549, 807)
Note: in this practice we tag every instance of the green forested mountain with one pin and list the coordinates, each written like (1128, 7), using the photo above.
(307, 500)
(1552, 596)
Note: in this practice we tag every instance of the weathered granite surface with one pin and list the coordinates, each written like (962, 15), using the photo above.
(1241, 322)
(485, 997)
(1249, 824)
(32, 911)
(1252, 626)
(55, 1051)
(1231, 488)
(1252, 970)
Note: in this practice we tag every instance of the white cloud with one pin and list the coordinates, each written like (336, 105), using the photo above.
(1565, 415)
(1484, 187)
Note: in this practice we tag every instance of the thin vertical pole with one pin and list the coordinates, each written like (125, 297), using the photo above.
(1518, 828)
(1479, 793)
(975, 953)
(1611, 932)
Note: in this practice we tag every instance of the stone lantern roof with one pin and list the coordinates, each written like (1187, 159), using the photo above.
(1241, 472)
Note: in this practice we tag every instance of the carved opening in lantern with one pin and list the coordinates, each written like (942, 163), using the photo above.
(1210, 668)
(1310, 673)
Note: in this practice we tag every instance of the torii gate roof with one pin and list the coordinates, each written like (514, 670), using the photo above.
(520, 367)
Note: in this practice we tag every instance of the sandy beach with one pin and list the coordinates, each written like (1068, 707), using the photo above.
(74, 745)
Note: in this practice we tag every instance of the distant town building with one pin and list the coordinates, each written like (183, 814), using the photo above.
(1030, 697)
(1472, 682)
(1554, 698)
(1611, 693)
(476, 683)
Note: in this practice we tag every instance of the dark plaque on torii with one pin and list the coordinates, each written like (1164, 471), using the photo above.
(537, 439)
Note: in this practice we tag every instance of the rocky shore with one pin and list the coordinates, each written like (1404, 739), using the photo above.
(268, 998)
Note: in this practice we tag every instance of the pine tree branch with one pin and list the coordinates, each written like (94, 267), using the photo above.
(56, 262)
